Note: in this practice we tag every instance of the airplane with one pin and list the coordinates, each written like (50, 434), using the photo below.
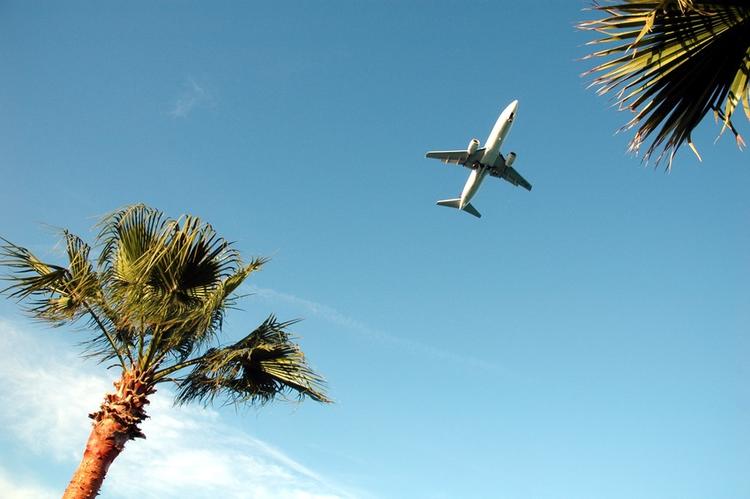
(483, 161)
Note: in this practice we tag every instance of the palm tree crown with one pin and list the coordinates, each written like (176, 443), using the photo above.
(156, 299)
(672, 62)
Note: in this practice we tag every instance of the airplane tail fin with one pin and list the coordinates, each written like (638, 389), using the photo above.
(455, 203)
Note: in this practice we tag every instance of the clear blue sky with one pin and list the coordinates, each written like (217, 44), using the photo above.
(586, 340)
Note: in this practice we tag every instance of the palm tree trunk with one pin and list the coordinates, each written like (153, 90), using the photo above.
(114, 424)
(105, 443)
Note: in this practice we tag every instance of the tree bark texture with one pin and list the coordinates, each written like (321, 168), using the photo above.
(115, 423)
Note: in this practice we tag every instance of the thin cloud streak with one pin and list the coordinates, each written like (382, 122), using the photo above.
(332, 315)
(189, 451)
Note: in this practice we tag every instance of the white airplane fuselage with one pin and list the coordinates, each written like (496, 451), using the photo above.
(492, 151)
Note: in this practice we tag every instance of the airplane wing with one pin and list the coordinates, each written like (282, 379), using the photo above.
(456, 157)
(515, 178)
(511, 175)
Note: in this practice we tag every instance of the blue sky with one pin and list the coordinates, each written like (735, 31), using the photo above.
(585, 340)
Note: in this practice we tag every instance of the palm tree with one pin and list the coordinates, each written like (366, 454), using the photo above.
(155, 301)
(672, 62)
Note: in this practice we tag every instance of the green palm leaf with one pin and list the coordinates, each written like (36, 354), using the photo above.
(259, 367)
(58, 293)
(42, 283)
(164, 275)
(672, 62)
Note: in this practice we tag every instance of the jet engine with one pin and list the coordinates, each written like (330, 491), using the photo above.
(473, 145)
(511, 158)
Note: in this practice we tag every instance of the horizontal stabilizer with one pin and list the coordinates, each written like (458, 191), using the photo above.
(455, 203)
(451, 203)
(469, 208)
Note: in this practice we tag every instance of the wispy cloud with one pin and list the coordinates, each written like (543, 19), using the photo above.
(49, 395)
(12, 487)
(190, 452)
(193, 96)
(332, 315)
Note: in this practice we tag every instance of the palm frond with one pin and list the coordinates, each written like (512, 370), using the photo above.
(59, 295)
(30, 276)
(198, 325)
(54, 293)
(162, 270)
(170, 279)
(128, 233)
(672, 62)
(256, 369)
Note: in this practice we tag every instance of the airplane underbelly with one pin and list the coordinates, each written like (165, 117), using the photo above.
(494, 142)
(490, 156)
(472, 184)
